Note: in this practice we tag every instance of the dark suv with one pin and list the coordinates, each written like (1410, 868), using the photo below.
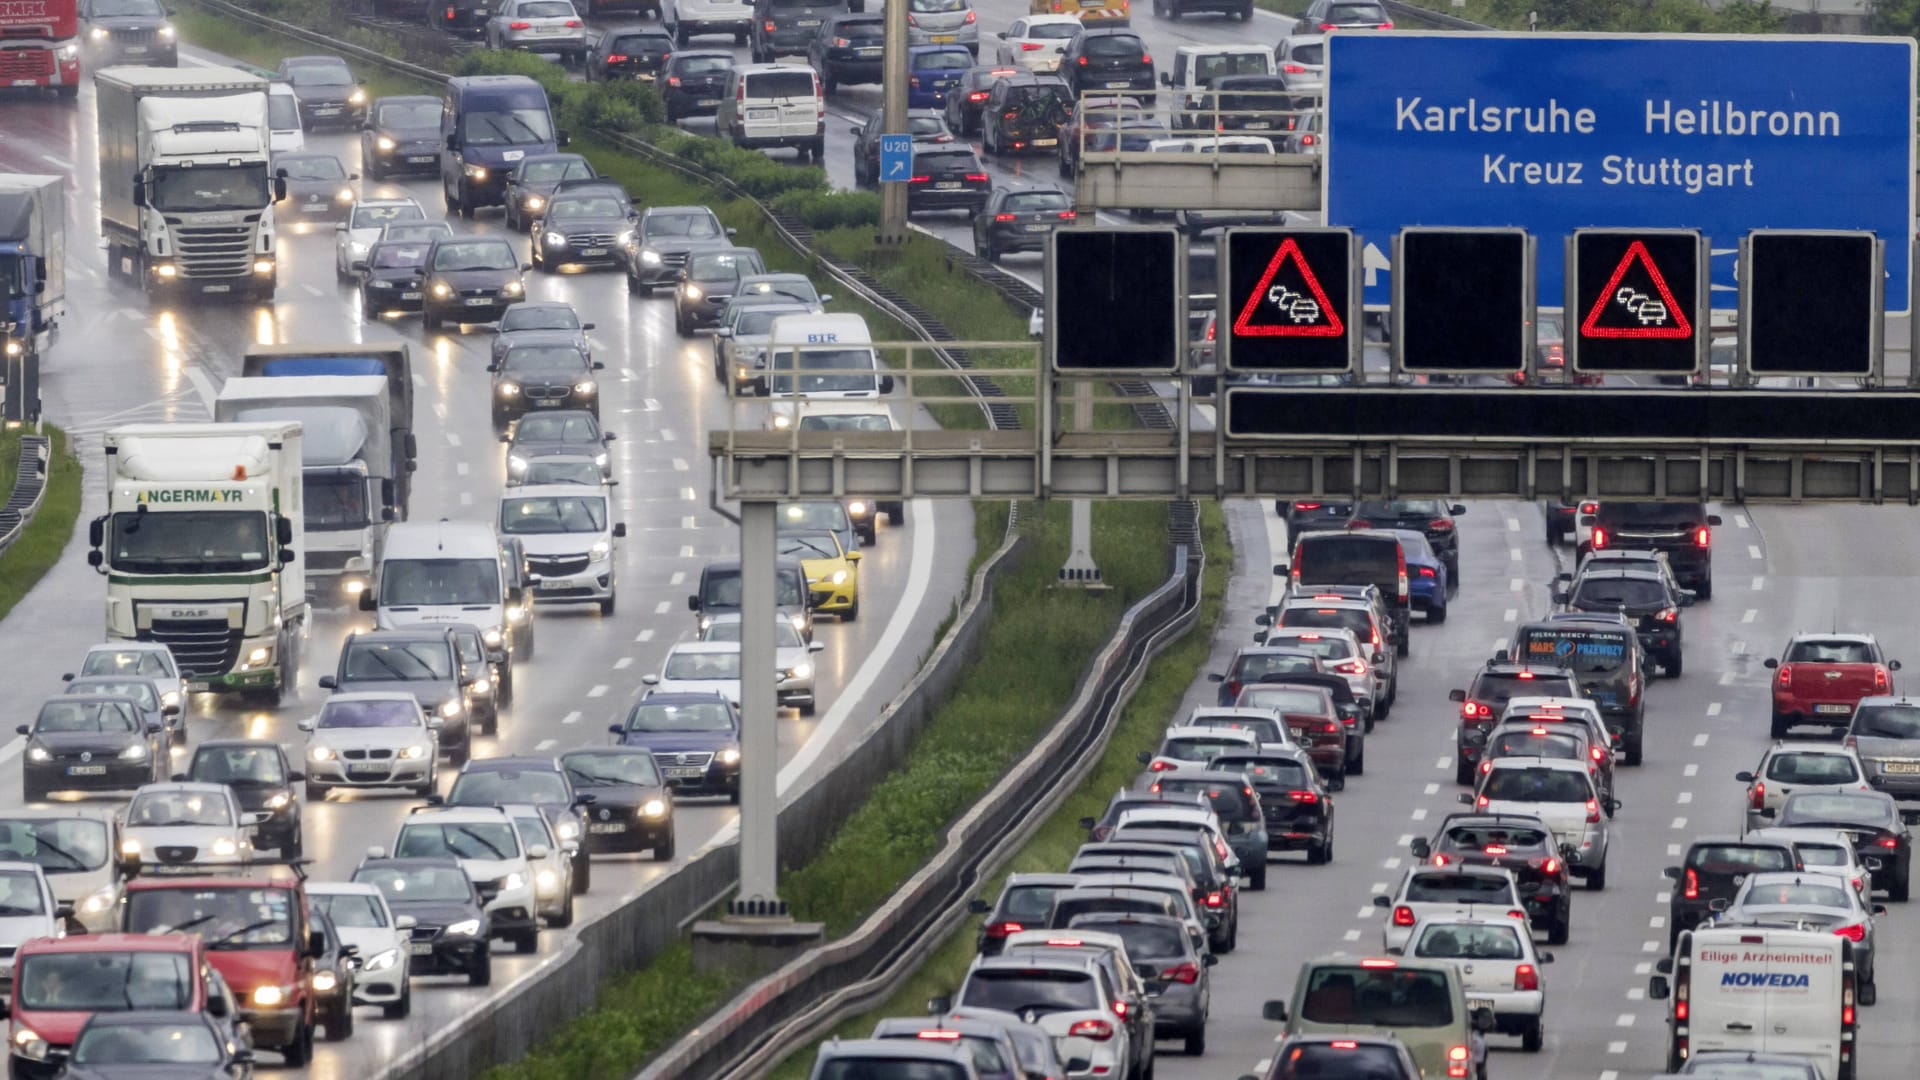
(1604, 653)
(847, 49)
(1641, 596)
(692, 81)
(787, 27)
(1107, 60)
(1683, 530)
(1714, 869)
(948, 178)
(540, 376)
(1515, 842)
(1429, 517)
(1025, 113)
(1481, 703)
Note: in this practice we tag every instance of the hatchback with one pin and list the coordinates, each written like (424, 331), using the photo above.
(541, 26)
(948, 178)
(933, 70)
(1107, 60)
(1020, 219)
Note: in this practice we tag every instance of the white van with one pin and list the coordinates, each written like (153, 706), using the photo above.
(1760, 989)
(284, 134)
(568, 535)
(839, 346)
(1195, 67)
(767, 105)
(435, 573)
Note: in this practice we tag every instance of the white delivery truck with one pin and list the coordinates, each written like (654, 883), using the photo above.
(349, 462)
(1766, 989)
(200, 546)
(816, 358)
(33, 258)
(186, 181)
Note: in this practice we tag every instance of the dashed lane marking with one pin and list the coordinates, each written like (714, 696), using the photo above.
(1759, 583)
(645, 635)
(1691, 770)
(599, 690)
(1753, 551)
(1510, 615)
(1513, 524)
(623, 663)
(679, 578)
(1749, 615)
(543, 744)
(662, 607)
(1351, 935)
(571, 718)
(1420, 813)
(1433, 789)
(1679, 823)
(1741, 520)
(1685, 798)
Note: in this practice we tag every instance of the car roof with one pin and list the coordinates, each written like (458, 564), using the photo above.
(912, 1025)
(1556, 764)
(894, 1049)
(1454, 821)
(456, 814)
(513, 763)
(1206, 776)
(342, 888)
(1814, 635)
(1457, 869)
(195, 787)
(247, 744)
(114, 942)
(555, 491)
(1184, 732)
(1233, 711)
(367, 695)
(1058, 961)
(686, 697)
(705, 647)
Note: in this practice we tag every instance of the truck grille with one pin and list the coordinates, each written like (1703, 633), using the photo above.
(215, 251)
(26, 63)
(200, 646)
(556, 566)
(324, 562)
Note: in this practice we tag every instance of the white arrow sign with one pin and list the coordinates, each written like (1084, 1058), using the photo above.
(1375, 260)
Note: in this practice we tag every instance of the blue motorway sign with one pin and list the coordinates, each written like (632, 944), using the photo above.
(1553, 132)
(896, 158)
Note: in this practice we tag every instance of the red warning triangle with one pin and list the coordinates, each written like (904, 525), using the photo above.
(1639, 315)
(1294, 314)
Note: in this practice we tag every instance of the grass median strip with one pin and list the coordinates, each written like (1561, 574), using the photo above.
(40, 543)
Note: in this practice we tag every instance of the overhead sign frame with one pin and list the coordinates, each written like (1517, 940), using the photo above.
(1526, 302)
(1759, 320)
(1664, 310)
(1314, 314)
(1068, 288)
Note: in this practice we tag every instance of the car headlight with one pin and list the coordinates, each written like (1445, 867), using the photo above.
(694, 292)
(839, 577)
(263, 266)
(555, 239)
(600, 550)
(482, 686)
(321, 753)
(535, 202)
(278, 800)
(515, 880)
(166, 33)
(442, 290)
(359, 248)
(508, 389)
(653, 808)
(99, 33)
(464, 928)
(325, 981)
(601, 459)
(781, 421)
(544, 882)
(800, 671)
(567, 830)
(476, 172)
(730, 756)
(413, 753)
(585, 386)
(515, 614)
(99, 900)
(382, 961)
(38, 753)
(344, 195)
(29, 1045)
(225, 846)
(130, 848)
(385, 144)
(134, 753)
(799, 622)
(492, 634)
(171, 697)
(268, 997)
(68, 52)
(515, 465)
(451, 709)
(857, 508)
(625, 239)
(513, 288)
(259, 655)
(651, 258)
(358, 97)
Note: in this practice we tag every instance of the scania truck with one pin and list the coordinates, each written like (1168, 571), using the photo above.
(349, 463)
(33, 258)
(186, 185)
(200, 546)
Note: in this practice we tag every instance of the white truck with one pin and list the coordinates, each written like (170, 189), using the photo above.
(1765, 989)
(200, 546)
(186, 183)
(33, 258)
(349, 462)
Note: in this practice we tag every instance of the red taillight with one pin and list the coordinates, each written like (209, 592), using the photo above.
(740, 91)
(1146, 58)
(673, 80)
(1846, 1015)
(1306, 506)
(1386, 26)
(1015, 217)
(1496, 849)
(519, 26)
(1474, 710)
(945, 1036)
(1070, 215)
(978, 177)
(977, 95)
(1526, 978)
(1427, 571)
(1482, 802)
(620, 58)
(1097, 1030)
(1598, 754)
(1855, 933)
(1002, 929)
(1120, 1009)
(1551, 866)
(1599, 538)
(1216, 899)
(450, 14)
(1887, 842)
(1303, 796)
(1691, 891)
(1668, 615)
(1593, 811)
(574, 24)
(1486, 767)
(1523, 675)
(1458, 1061)
(1379, 964)
(1293, 69)
(1786, 675)
(1879, 678)
(1182, 973)
(1403, 916)
(1083, 61)
(1589, 507)
(1757, 795)
(971, 17)
(1516, 913)
(1351, 667)
(1440, 525)
(1326, 26)
(1359, 523)
(1702, 537)
(769, 26)
(1440, 860)
(1031, 46)
(919, 179)
(1330, 727)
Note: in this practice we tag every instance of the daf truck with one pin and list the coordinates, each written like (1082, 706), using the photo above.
(200, 547)
(349, 463)
(43, 45)
(33, 258)
(186, 183)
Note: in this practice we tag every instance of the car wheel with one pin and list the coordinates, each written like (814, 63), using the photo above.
(1463, 771)
(1704, 590)
(565, 918)
(1532, 1039)
(807, 708)
(1562, 926)
(733, 797)
(429, 320)
(607, 605)
(1675, 664)
(316, 792)
(1437, 614)
(1869, 994)
(1357, 764)
(663, 851)
(1597, 880)
(1781, 725)
(300, 1051)
(1196, 1043)
(1257, 876)
(527, 941)
(340, 1025)
(481, 973)
(582, 873)
(401, 1009)
(33, 793)
(1404, 648)
(293, 846)
(1897, 889)
(1633, 752)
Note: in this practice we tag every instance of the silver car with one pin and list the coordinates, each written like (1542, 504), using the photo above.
(27, 911)
(185, 823)
(793, 655)
(1302, 58)
(370, 739)
(1820, 900)
(552, 869)
(1886, 735)
(943, 22)
(541, 26)
(354, 236)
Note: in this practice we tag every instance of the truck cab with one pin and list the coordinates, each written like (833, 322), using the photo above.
(33, 260)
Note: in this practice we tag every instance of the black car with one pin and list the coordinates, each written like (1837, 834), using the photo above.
(1024, 114)
(1482, 701)
(1237, 804)
(333, 978)
(707, 282)
(1020, 219)
(540, 781)
(326, 91)
(464, 15)
(1307, 515)
(847, 49)
(1712, 872)
(583, 226)
(141, 1044)
(1875, 822)
(1429, 517)
(1173, 970)
(1683, 530)
(423, 662)
(695, 739)
(1102, 59)
(128, 32)
(559, 431)
(1024, 902)
(1293, 798)
(149, 700)
(533, 179)
(966, 101)
(390, 276)
(262, 780)
(90, 742)
(927, 127)
(1604, 653)
(470, 279)
(1256, 105)
(540, 322)
(401, 135)
(1641, 596)
(632, 805)
(629, 54)
(692, 82)
(532, 377)
(948, 178)
(1515, 842)
(319, 188)
(450, 926)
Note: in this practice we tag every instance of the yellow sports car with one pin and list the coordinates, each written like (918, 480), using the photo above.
(833, 573)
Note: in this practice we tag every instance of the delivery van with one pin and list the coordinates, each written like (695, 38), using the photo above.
(1762, 989)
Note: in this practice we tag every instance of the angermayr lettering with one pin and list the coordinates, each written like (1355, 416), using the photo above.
(1552, 118)
(1726, 118)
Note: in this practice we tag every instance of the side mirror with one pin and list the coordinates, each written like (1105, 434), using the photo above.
(280, 187)
(1562, 596)
(598, 366)
(1279, 569)
(1744, 777)
(816, 646)
(155, 727)
(295, 776)
(1275, 1011)
(977, 906)
(217, 1008)
(1586, 521)
(328, 682)
(525, 266)
(1563, 576)
(1684, 599)
(938, 1005)
(1088, 823)
(1718, 904)
(1893, 665)
(436, 722)
(1420, 849)
(1713, 520)
(452, 141)
(586, 326)
(693, 603)
(1259, 637)
(1214, 676)
(22, 729)
(650, 680)
(1545, 958)
(1210, 960)
(620, 530)
(169, 710)
(561, 138)
(282, 529)
(1456, 695)
(259, 817)
(733, 232)
(585, 799)
(1664, 965)
(1263, 619)
(826, 298)
(1166, 79)
(886, 384)
(1879, 909)
(1383, 901)
(1770, 663)
(1500, 656)
(492, 368)
(1657, 988)
(140, 192)
(1671, 873)
(405, 922)
(316, 944)
(1143, 757)
(616, 729)
(539, 851)
(63, 910)
(854, 556)
(367, 602)
(180, 778)
(1457, 509)
(1466, 798)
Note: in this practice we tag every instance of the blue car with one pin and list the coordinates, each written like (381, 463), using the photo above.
(932, 70)
(695, 738)
(1426, 575)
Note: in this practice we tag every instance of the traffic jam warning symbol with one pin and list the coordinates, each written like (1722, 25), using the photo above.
(1288, 301)
(1636, 303)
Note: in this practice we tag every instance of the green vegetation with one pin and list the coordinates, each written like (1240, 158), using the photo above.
(1052, 848)
(40, 543)
(211, 30)
(1035, 647)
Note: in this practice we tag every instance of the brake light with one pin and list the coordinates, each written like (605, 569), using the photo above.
(1692, 889)
(1880, 678)
(978, 177)
(1160, 765)
(1344, 1044)
(1030, 46)
(1441, 525)
(1855, 933)
(1386, 26)
(450, 14)
(1002, 929)
(1526, 978)
(519, 26)
(1457, 1061)
(1589, 507)
(1309, 637)
(1702, 537)
(1013, 217)
(1669, 615)
(1097, 1030)
(1496, 849)
(1482, 801)
(1486, 767)
(1593, 811)
(769, 26)
(1403, 916)
(1427, 571)
(1351, 667)
(1069, 215)
(1439, 860)
(977, 95)
(1379, 963)
(943, 1035)
(1846, 1015)
(1182, 973)
(1146, 58)
(919, 179)
(1330, 726)
(1599, 538)
(1474, 710)
(1598, 754)
(1786, 675)
(1216, 899)
(1551, 866)
(1757, 795)
(1120, 1009)
(620, 58)
(1293, 69)
(1359, 523)
(1524, 675)
(1303, 796)
(971, 18)
(1083, 61)
(1887, 842)
(1306, 506)
(1326, 26)
(1516, 913)
(1065, 942)
(574, 24)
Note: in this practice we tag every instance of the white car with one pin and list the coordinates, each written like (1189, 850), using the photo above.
(1035, 42)
(1560, 793)
(370, 740)
(793, 656)
(1428, 892)
(553, 469)
(1194, 747)
(1558, 710)
(1302, 57)
(1499, 969)
(354, 236)
(27, 911)
(1822, 851)
(1174, 816)
(1788, 767)
(1268, 727)
(285, 133)
(1340, 653)
(141, 659)
(184, 823)
(699, 667)
(568, 533)
(362, 919)
(78, 847)
(553, 871)
(488, 848)
(1080, 1012)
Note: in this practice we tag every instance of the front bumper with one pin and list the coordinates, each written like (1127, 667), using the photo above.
(626, 834)
(115, 775)
(922, 197)
(379, 772)
(830, 598)
(512, 911)
(719, 780)
(392, 299)
(457, 309)
(571, 254)
(114, 53)
(596, 582)
(341, 113)
(275, 1027)
(704, 311)
(381, 987)
(545, 43)
(446, 955)
(408, 157)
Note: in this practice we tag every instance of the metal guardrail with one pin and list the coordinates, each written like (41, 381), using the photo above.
(1441, 19)
(29, 488)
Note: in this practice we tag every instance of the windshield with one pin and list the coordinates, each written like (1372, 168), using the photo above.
(1794, 894)
(1114, 46)
(368, 714)
(1344, 560)
(1229, 802)
(598, 769)
(164, 809)
(474, 255)
(406, 114)
(557, 429)
(1039, 990)
(1470, 942)
(1586, 652)
(798, 288)
(721, 589)
(539, 317)
(105, 982)
(147, 1044)
(1851, 808)
(958, 60)
(784, 635)
(1249, 668)
(553, 514)
(1377, 997)
(1497, 688)
(809, 360)
(1033, 201)
(1489, 837)
(413, 582)
(487, 788)
(20, 895)
(238, 765)
(1607, 593)
(332, 502)
(869, 1067)
(397, 256)
(550, 470)
(1286, 699)
(698, 666)
(696, 226)
(349, 911)
(471, 840)
(1822, 854)
(1830, 652)
(720, 265)
(780, 84)
(1347, 1059)
(507, 127)
(808, 546)
(227, 918)
(1672, 515)
(702, 716)
(1525, 743)
(1537, 785)
(1211, 66)
(310, 167)
(1737, 859)
(382, 661)
(417, 883)
(57, 845)
(1358, 620)
(1751, 1070)
(1196, 748)
(84, 717)
(1887, 721)
(190, 541)
(585, 208)
(1324, 646)
(375, 217)
(1458, 889)
(140, 692)
(428, 231)
(150, 663)
(704, 65)
(1287, 774)
(319, 74)
(1798, 768)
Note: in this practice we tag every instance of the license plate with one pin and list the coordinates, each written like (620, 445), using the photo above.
(1036, 228)
(409, 296)
(1259, 125)
(199, 687)
(869, 52)
(806, 22)
(216, 288)
(546, 29)
(763, 114)
(331, 110)
(1479, 1003)
(1120, 85)
(1901, 768)
(592, 252)
(944, 39)
(948, 185)
(313, 208)
(1833, 709)
(136, 48)
(420, 159)
(707, 102)
(420, 948)
(1046, 142)
(478, 301)
(86, 770)
(366, 767)
(607, 827)
(684, 773)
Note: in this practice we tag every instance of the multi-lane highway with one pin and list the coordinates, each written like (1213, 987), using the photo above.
(119, 360)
